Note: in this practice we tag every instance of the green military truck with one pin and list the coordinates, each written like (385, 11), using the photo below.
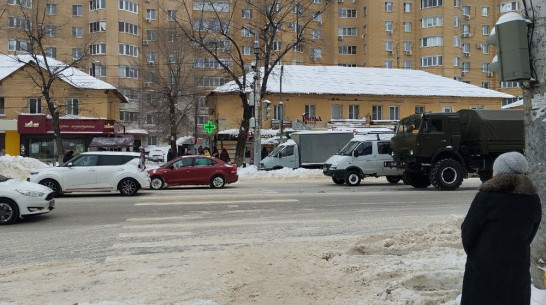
(444, 148)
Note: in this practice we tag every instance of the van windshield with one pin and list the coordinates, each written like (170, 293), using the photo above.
(276, 150)
(347, 150)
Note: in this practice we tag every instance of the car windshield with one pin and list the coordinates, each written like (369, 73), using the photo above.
(3, 178)
(409, 125)
(347, 150)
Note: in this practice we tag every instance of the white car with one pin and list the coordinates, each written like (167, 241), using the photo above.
(156, 155)
(103, 171)
(20, 198)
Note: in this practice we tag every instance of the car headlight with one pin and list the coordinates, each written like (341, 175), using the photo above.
(334, 165)
(411, 152)
(30, 193)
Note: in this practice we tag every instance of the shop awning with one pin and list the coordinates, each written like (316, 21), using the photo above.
(112, 142)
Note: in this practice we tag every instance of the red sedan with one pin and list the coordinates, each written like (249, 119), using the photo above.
(193, 170)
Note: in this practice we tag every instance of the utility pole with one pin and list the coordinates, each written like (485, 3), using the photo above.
(281, 108)
(257, 105)
(535, 116)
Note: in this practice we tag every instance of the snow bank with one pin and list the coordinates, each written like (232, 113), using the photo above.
(18, 167)
(252, 172)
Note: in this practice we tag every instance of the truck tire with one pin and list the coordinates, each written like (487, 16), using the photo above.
(352, 178)
(394, 179)
(446, 175)
(338, 180)
(417, 180)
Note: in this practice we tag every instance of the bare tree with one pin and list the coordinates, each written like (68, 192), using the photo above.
(225, 33)
(35, 27)
(168, 78)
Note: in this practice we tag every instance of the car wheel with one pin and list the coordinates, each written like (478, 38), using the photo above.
(352, 178)
(218, 182)
(338, 180)
(157, 183)
(394, 179)
(9, 212)
(54, 185)
(128, 187)
(447, 174)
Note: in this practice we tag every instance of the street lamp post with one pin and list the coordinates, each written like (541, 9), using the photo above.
(281, 108)
(257, 105)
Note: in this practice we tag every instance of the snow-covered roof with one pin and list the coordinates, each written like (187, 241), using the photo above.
(518, 103)
(71, 75)
(298, 79)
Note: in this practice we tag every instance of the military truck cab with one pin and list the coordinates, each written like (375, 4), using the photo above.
(362, 157)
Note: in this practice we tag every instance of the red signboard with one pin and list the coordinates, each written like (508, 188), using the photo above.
(41, 124)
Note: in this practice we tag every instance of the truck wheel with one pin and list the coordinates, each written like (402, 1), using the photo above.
(485, 175)
(338, 180)
(447, 174)
(352, 178)
(417, 180)
(394, 179)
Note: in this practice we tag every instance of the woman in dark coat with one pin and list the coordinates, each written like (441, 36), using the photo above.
(224, 156)
(497, 232)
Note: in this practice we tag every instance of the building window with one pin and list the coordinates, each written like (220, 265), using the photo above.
(432, 21)
(18, 23)
(317, 17)
(456, 61)
(2, 106)
(34, 105)
(151, 119)
(388, 7)
(347, 50)
(77, 53)
(316, 34)
(19, 45)
(346, 13)
(247, 50)
(151, 34)
(277, 44)
(97, 5)
(388, 27)
(485, 11)
(466, 30)
(508, 101)
(346, 31)
(447, 109)
(509, 6)
(377, 112)
(212, 6)
(152, 140)
(129, 28)
(419, 109)
(127, 49)
(509, 84)
(407, 64)
(97, 70)
(353, 112)
(407, 47)
(77, 32)
(394, 113)
(77, 10)
(456, 22)
(247, 32)
(431, 61)
(171, 15)
(485, 85)
(210, 81)
(22, 3)
(51, 31)
(51, 9)
(388, 46)
(309, 110)
(485, 30)
(97, 48)
(407, 26)
(97, 26)
(247, 13)
(72, 106)
(433, 41)
(485, 48)
(485, 67)
(151, 14)
(456, 41)
(316, 53)
(337, 112)
(51, 52)
(430, 3)
(129, 6)
(128, 72)
(202, 119)
(466, 11)
(127, 116)
(407, 7)
(466, 66)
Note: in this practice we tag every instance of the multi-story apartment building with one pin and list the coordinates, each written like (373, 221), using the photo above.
(127, 39)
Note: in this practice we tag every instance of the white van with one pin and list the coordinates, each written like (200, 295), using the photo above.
(363, 156)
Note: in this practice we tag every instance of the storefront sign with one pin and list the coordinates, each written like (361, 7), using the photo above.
(306, 118)
(41, 124)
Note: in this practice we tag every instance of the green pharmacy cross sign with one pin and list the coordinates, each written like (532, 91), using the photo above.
(209, 127)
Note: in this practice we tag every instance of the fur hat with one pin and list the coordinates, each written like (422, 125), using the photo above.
(511, 163)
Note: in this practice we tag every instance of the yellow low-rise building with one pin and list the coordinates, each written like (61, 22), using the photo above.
(88, 108)
(317, 97)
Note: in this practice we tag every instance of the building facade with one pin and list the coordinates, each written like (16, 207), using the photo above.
(124, 40)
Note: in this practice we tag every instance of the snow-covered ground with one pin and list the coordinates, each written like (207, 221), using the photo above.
(423, 265)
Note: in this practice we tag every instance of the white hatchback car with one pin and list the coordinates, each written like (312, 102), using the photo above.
(103, 171)
(20, 198)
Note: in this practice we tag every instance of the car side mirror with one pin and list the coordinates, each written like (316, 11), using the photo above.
(355, 153)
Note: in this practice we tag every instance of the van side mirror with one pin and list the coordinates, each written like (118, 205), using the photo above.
(355, 153)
